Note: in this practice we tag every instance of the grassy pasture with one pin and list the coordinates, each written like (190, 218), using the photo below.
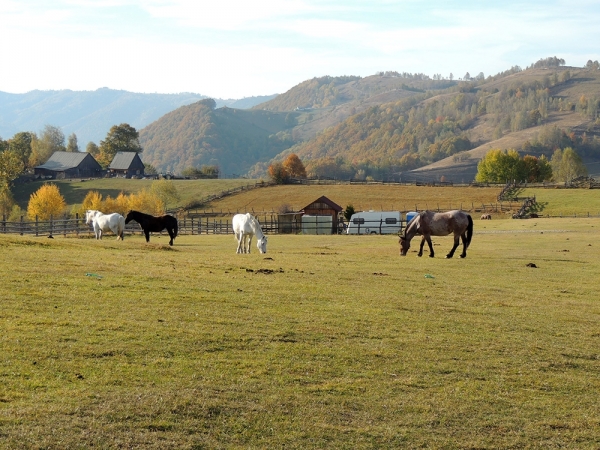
(361, 196)
(324, 342)
(565, 202)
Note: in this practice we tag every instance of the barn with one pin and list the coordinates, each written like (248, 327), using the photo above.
(324, 207)
(69, 165)
(126, 164)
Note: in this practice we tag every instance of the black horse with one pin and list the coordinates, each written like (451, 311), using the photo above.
(155, 224)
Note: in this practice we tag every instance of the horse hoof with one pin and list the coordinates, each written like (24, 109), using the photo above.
(463, 256)
(450, 256)
(431, 256)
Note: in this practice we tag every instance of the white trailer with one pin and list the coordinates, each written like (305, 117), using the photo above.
(375, 222)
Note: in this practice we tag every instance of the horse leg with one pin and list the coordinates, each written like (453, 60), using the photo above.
(456, 242)
(464, 242)
(171, 235)
(421, 247)
(249, 242)
(147, 233)
(431, 252)
(240, 239)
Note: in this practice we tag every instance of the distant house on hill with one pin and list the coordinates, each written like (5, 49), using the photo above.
(126, 164)
(69, 165)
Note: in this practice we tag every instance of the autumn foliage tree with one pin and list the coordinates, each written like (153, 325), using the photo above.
(278, 173)
(46, 202)
(294, 167)
(146, 201)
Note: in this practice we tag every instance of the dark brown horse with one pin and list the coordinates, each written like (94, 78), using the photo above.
(154, 224)
(428, 224)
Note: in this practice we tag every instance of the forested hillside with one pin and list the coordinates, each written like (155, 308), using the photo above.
(389, 125)
(324, 92)
(558, 106)
(199, 134)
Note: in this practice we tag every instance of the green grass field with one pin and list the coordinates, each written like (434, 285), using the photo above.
(324, 342)
(565, 202)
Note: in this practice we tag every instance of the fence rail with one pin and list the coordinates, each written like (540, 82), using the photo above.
(189, 226)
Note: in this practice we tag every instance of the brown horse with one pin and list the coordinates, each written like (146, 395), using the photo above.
(428, 224)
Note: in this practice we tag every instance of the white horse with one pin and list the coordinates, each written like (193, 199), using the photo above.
(246, 226)
(105, 222)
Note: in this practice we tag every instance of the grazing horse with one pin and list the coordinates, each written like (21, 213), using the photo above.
(154, 224)
(486, 217)
(428, 224)
(105, 222)
(244, 227)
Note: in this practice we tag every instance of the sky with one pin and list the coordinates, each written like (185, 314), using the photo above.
(232, 49)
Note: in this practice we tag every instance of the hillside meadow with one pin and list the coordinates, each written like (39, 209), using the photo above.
(75, 191)
(323, 342)
(551, 202)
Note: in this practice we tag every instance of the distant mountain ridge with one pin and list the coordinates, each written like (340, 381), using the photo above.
(91, 114)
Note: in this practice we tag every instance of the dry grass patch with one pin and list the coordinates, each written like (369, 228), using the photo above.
(324, 342)
(362, 197)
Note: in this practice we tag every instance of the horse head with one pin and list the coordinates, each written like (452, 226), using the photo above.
(129, 217)
(262, 244)
(404, 245)
(89, 215)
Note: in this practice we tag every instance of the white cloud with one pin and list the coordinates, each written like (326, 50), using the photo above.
(233, 48)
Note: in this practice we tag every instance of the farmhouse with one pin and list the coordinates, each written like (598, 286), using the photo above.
(126, 164)
(319, 208)
(69, 165)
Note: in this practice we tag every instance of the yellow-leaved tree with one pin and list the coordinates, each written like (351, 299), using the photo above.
(93, 200)
(147, 202)
(45, 202)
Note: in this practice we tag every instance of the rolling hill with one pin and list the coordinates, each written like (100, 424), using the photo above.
(443, 134)
(237, 140)
(199, 134)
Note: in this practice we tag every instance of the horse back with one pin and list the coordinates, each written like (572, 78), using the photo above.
(443, 224)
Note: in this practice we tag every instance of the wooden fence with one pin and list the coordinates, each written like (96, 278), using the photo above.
(77, 226)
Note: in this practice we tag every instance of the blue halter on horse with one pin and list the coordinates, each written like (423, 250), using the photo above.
(154, 224)
(428, 224)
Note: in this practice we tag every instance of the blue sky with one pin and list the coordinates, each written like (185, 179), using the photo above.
(241, 48)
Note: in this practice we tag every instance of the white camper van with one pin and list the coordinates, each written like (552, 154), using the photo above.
(375, 222)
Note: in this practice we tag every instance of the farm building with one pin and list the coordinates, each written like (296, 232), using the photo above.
(126, 164)
(324, 207)
(69, 165)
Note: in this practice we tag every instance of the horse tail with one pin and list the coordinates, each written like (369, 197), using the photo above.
(175, 228)
(469, 229)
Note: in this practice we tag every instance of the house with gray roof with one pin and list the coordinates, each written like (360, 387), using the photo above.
(69, 165)
(126, 164)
